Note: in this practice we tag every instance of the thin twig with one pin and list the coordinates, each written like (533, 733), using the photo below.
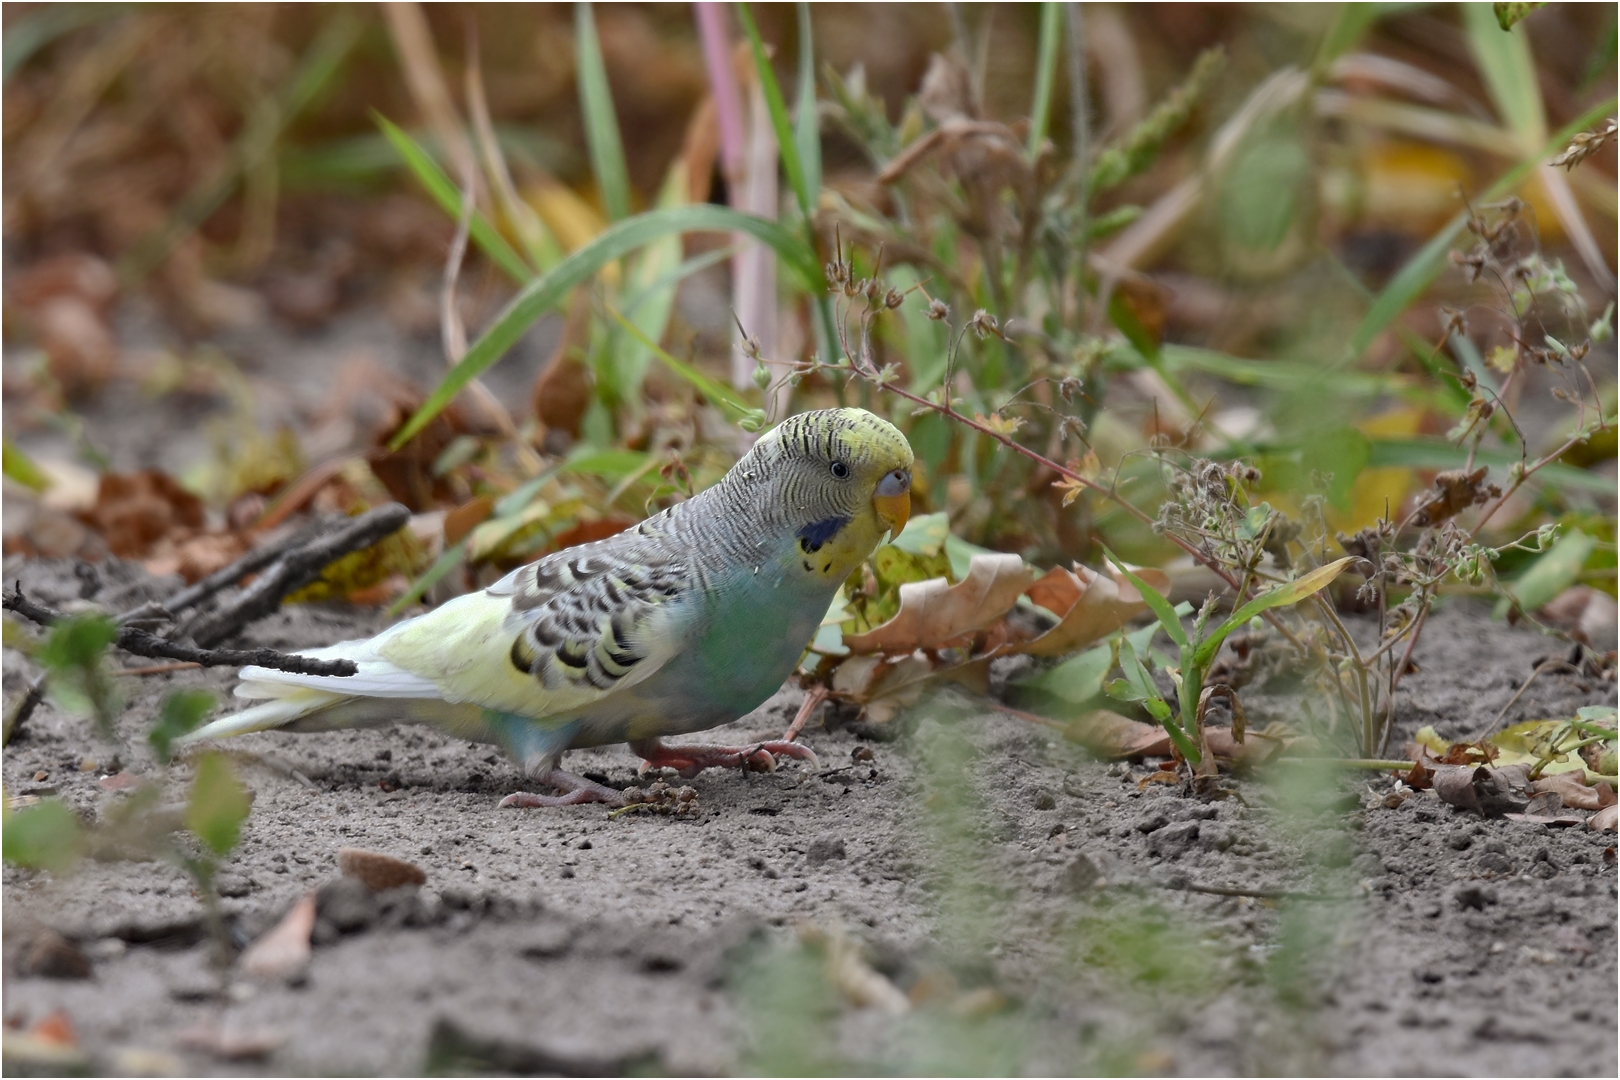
(293, 571)
(1258, 894)
(251, 563)
(144, 643)
(162, 669)
(1546, 665)
(25, 708)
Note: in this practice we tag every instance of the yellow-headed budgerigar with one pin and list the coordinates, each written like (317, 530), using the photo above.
(686, 621)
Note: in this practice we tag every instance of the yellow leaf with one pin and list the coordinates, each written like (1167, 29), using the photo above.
(1382, 490)
(1001, 425)
(1503, 358)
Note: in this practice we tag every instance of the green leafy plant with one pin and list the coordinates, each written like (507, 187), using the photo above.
(74, 656)
(1198, 649)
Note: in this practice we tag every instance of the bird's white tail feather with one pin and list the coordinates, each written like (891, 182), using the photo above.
(279, 712)
(294, 699)
(376, 677)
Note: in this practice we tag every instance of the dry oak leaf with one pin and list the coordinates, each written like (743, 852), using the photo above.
(935, 613)
(1489, 792)
(1112, 736)
(1089, 606)
(133, 511)
(884, 687)
(1569, 787)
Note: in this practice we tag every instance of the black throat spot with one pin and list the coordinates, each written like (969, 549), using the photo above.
(817, 533)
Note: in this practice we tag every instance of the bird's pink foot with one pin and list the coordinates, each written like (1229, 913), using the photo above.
(691, 760)
(576, 790)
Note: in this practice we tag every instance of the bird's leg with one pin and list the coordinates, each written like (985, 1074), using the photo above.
(576, 790)
(691, 760)
(814, 698)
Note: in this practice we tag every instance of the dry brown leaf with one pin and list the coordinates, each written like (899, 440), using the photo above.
(1255, 748)
(562, 391)
(588, 532)
(935, 613)
(202, 555)
(883, 686)
(1488, 791)
(1605, 820)
(1089, 606)
(134, 511)
(1571, 788)
(1110, 735)
(460, 521)
(377, 870)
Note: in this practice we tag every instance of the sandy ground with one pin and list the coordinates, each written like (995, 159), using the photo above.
(1029, 904)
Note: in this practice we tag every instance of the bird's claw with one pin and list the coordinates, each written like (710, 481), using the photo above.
(576, 790)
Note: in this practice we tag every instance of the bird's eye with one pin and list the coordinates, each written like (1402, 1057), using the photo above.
(840, 470)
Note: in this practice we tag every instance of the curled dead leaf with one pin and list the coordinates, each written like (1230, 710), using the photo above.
(1110, 735)
(133, 511)
(883, 686)
(1088, 605)
(1572, 790)
(1605, 820)
(935, 613)
(1487, 791)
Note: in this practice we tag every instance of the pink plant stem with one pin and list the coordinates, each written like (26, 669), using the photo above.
(711, 21)
(749, 165)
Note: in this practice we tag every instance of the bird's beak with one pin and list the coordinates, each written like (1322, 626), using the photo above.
(892, 501)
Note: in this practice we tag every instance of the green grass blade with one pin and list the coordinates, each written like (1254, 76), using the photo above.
(1421, 270)
(547, 291)
(448, 196)
(1276, 374)
(807, 125)
(715, 391)
(785, 142)
(1554, 570)
(1156, 601)
(1438, 454)
(647, 298)
(601, 123)
(20, 467)
(1040, 112)
(1509, 71)
(1353, 20)
(1289, 592)
(452, 557)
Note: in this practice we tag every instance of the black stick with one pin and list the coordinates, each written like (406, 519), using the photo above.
(255, 560)
(292, 571)
(25, 708)
(132, 639)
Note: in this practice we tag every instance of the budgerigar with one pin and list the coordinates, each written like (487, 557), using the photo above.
(688, 620)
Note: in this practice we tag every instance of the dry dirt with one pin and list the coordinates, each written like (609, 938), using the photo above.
(1032, 903)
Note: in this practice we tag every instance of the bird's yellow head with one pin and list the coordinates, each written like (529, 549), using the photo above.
(839, 478)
